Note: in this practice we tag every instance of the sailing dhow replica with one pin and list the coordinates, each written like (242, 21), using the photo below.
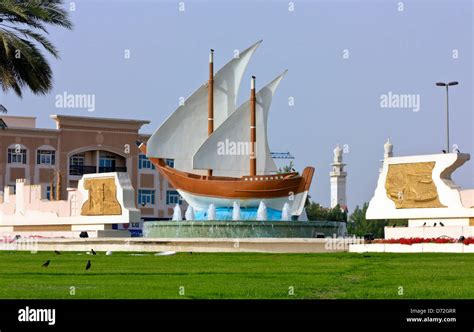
(221, 153)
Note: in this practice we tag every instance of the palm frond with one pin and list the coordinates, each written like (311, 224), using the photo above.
(22, 34)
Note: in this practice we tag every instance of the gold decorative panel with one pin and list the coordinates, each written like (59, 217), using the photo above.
(411, 185)
(102, 198)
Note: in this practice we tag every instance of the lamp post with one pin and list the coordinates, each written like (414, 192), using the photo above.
(447, 85)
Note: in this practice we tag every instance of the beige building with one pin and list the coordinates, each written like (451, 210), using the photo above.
(82, 145)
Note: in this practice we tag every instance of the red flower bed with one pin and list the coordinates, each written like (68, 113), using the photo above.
(414, 240)
(469, 240)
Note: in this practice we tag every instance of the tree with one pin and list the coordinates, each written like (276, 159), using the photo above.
(287, 168)
(358, 225)
(22, 34)
(315, 211)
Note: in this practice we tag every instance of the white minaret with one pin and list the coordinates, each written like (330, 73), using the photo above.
(388, 149)
(388, 152)
(338, 179)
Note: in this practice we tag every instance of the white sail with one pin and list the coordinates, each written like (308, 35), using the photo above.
(227, 150)
(181, 135)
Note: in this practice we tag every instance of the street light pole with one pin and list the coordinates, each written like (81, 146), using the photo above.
(447, 85)
(447, 119)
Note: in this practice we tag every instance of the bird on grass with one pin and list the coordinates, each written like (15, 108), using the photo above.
(57, 252)
(93, 252)
(46, 264)
(88, 265)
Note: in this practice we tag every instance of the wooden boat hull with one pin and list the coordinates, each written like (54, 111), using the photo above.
(200, 190)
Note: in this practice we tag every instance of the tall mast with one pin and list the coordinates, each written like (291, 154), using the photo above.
(210, 103)
(253, 129)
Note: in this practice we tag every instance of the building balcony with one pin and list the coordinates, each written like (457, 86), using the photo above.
(81, 169)
(112, 169)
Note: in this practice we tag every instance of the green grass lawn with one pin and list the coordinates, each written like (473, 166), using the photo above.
(236, 276)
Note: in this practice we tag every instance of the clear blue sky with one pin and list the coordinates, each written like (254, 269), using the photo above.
(336, 99)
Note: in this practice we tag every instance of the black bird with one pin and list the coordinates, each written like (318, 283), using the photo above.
(435, 224)
(424, 224)
(441, 223)
(394, 225)
(93, 252)
(57, 252)
(444, 151)
(88, 265)
(46, 264)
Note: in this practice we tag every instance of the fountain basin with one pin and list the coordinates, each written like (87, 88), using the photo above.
(245, 213)
(242, 229)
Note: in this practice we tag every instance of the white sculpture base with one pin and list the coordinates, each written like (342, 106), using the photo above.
(29, 213)
(433, 204)
(454, 232)
(414, 248)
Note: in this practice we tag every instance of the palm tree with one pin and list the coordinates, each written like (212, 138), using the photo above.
(22, 35)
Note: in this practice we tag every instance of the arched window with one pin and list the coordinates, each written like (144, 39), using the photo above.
(17, 154)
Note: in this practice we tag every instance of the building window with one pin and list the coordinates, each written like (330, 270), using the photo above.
(107, 164)
(107, 161)
(49, 193)
(146, 196)
(77, 160)
(144, 162)
(17, 156)
(173, 197)
(76, 164)
(170, 162)
(45, 157)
